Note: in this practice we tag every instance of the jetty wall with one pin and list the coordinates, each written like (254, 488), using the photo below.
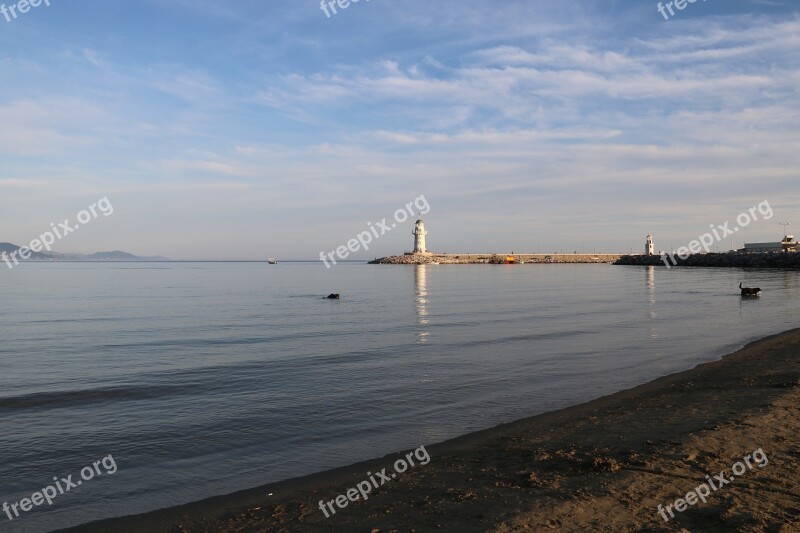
(733, 260)
(420, 259)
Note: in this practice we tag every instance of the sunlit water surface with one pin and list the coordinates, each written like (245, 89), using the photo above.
(205, 378)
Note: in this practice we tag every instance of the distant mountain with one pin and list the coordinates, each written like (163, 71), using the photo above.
(113, 256)
(9, 248)
(122, 256)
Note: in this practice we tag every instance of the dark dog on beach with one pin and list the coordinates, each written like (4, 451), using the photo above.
(749, 291)
(332, 297)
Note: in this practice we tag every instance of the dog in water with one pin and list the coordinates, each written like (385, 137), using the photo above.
(332, 297)
(747, 291)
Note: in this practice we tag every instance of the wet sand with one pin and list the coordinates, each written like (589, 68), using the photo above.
(601, 466)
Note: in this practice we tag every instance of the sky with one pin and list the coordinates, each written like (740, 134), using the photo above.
(254, 128)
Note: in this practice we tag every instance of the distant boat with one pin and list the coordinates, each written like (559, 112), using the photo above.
(272, 261)
(434, 263)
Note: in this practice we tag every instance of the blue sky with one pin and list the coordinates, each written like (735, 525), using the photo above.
(247, 129)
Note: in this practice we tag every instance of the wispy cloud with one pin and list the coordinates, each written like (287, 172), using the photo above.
(270, 114)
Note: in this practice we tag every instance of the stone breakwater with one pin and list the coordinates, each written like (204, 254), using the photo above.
(734, 260)
(472, 259)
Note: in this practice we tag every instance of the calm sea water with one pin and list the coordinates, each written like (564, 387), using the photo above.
(205, 378)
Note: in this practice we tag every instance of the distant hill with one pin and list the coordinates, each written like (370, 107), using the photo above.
(113, 256)
(9, 248)
(122, 256)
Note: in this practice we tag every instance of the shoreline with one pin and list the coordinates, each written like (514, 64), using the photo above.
(605, 464)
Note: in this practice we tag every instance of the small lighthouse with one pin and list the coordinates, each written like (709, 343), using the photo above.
(648, 248)
(419, 237)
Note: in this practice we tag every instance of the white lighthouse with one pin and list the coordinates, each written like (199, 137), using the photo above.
(419, 237)
(648, 248)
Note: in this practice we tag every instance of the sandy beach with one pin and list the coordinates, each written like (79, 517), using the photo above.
(601, 466)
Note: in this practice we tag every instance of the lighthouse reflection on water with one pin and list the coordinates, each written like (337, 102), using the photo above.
(421, 303)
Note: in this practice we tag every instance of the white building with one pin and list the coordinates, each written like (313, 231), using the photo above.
(419, 237)
(788, 244)
(649, 249)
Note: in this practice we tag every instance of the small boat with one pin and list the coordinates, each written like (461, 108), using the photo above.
(434, 263)
(272, 261)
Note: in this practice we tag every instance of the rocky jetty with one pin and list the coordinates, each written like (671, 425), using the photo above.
(735, 260)
(421, 259)
(469, 259)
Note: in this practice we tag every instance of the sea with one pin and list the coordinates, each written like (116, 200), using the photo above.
(201, 379)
